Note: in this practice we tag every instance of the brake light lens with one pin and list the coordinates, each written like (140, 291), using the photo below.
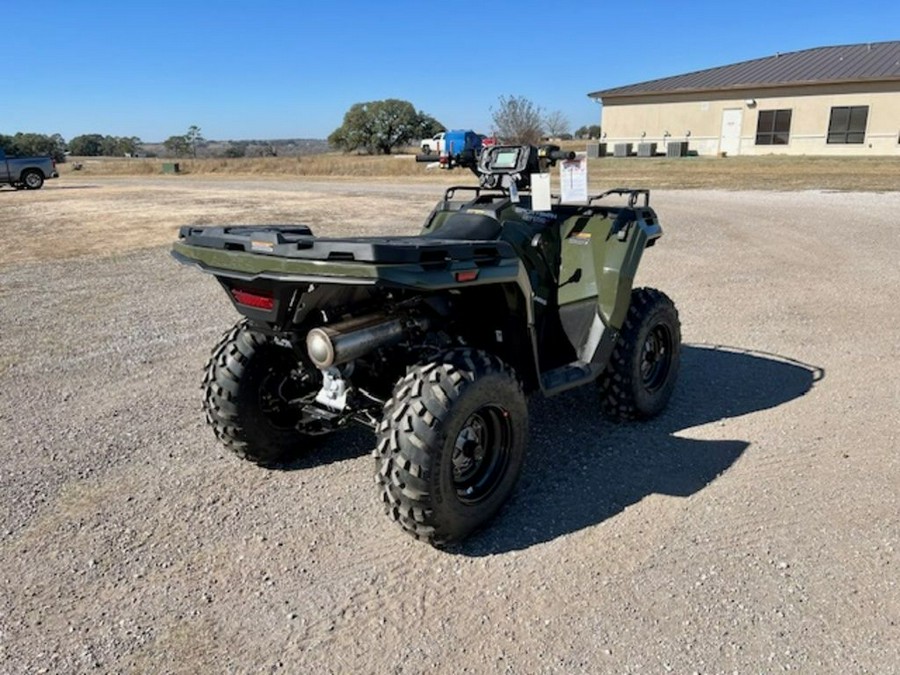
(467, 275)
(254, 298)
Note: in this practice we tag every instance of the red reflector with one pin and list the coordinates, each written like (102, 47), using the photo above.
(257, 299)
(467, 275)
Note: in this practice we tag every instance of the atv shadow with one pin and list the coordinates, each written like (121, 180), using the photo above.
(582, 469)
(349, 443)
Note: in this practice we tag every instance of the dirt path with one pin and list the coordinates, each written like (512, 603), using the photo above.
(752, 528)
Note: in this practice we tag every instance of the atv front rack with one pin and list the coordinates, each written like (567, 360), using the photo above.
(634, 194)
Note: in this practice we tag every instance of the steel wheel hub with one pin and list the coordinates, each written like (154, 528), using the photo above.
(656, 358)
(481, 453)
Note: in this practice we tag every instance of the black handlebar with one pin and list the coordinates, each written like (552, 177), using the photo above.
(557, 155)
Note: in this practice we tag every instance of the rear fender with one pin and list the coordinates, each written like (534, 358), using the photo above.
(600, 258)
(499, 318)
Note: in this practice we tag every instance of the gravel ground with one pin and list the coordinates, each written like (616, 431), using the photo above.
(753, 527)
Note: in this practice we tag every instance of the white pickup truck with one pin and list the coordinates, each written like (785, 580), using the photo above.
(435, 144)
(26, 172)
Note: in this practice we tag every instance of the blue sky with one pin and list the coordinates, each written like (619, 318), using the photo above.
(279, 69)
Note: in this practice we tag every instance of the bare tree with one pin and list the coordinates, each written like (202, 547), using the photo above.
(177, 145)
(556, 124)
(194, 139)
(517, 120)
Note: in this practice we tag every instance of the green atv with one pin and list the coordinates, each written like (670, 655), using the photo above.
(434, 341)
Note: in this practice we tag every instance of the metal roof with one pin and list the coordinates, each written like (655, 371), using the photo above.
(849, 63)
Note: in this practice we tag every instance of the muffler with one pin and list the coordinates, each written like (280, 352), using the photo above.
(341, 342)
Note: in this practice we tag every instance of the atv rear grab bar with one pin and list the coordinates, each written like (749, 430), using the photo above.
(633, 194)
(450, 192)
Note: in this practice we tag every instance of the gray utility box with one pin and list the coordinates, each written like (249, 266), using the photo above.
(646, 149)
(596, 150)
(677, 149)
(622, 149)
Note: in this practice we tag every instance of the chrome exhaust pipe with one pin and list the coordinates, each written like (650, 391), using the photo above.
(339, 343)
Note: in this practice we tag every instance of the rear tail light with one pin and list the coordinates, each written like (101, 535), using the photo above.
(254, 298)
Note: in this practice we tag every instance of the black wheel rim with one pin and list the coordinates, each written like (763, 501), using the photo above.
(481, 453)
(656, 358)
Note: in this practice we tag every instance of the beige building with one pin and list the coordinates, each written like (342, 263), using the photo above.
(825, 101)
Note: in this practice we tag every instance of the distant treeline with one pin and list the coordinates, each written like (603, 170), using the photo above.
(30, 145)
(285, 147)
(88, 145)
(98, 145)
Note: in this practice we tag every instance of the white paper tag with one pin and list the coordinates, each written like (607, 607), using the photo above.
(540, 192)
(573, 180)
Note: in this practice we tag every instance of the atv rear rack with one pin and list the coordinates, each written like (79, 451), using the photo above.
(298, 242)
(633, 195)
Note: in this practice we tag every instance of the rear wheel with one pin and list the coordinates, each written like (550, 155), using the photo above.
(33, 180)
(451, 445)
(641, 374)
(250, 381)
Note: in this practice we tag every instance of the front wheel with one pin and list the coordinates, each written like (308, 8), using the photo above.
(640, 377)
(250, 384)
(451, 445)
(33, 180)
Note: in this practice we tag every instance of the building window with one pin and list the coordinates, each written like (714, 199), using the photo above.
(848, 124)
(773, 127)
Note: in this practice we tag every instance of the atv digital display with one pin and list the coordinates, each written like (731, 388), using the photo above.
(506, 159)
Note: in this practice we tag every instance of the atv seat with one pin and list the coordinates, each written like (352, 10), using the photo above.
(467, 226)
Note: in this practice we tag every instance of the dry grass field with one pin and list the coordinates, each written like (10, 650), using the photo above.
(859, 174)
(110, 215)
(110, 206)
